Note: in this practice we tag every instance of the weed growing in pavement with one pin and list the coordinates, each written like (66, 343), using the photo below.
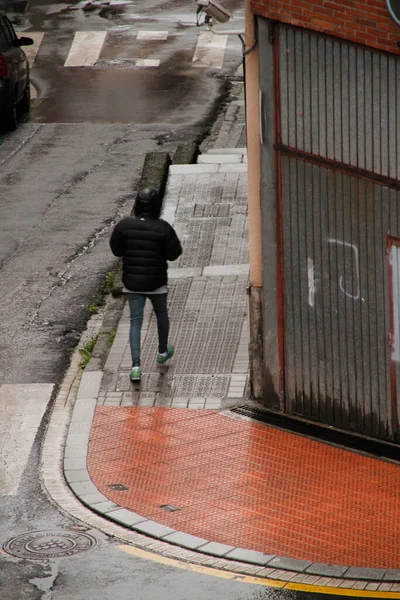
(111, 337)
(109, 282)
(86, 351)
(96, 304)
(100, 298)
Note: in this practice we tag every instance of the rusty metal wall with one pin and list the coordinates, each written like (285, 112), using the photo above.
(336, 140)
(394, 307)
(340, 101)
(337, 323)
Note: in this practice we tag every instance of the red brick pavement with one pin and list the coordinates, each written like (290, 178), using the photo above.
(248, 485)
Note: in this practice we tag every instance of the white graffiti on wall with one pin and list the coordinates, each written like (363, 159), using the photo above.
(355, 293)
(394, 259)
(341, 286)
(311, 282)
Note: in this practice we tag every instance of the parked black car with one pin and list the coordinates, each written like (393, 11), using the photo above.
(14, 6)
(14, 75)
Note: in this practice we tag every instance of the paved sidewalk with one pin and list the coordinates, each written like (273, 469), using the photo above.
(168, 459)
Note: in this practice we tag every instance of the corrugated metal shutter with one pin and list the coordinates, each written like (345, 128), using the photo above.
(337, 296)
(340, 101)
(337, 137)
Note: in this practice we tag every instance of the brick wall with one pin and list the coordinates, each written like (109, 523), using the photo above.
(366, 22)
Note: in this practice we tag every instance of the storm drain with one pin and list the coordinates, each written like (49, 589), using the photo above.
(319, 431)
(116, 63)
(169, 507)
(118, 487)
(49, 544)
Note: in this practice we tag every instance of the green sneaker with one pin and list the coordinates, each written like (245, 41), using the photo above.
(136, 374)
(162, 358)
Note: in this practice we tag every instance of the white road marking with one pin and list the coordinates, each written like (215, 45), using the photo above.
(147, 62)
(85, 49)
(21, 410)
(87, 45)
(31, 51)
(210, 50)
(152, 35)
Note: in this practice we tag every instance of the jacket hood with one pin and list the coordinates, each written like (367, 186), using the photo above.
(148, 203)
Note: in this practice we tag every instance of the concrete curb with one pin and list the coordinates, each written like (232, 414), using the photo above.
(186, 154)
(110, 322)
(155, 172)
(117, 283)
(79, 481)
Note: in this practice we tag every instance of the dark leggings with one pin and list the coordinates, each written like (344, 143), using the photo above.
(136, 305)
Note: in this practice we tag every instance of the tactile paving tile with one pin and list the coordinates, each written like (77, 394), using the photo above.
(248, 485)
(211, 210)
(200, 386)
(206, 320)
(217, 240)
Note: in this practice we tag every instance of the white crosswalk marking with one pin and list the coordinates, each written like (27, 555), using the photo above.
(152, 35)
(85, 49)
(147, 62)
(210, 50)
(87, 46)
(22, 407)
(31, 52)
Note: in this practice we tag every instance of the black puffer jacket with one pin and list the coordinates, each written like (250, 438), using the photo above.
(145, 245)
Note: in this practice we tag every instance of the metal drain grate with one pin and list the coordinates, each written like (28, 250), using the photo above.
(118, 487)
(169, 507)
(321, 432)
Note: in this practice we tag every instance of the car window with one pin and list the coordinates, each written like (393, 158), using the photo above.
(4, 44)
(10, 33)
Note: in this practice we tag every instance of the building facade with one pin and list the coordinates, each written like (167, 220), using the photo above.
(324, 203)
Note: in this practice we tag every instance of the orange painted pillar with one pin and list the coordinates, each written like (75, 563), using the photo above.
(252, 70)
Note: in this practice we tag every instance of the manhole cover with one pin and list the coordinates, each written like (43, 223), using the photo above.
(49, 544)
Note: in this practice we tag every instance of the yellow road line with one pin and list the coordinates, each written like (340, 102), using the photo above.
(252, 580)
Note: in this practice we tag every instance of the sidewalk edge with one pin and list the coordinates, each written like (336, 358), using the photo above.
(80, 483)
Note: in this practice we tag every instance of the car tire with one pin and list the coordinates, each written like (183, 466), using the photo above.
(24, 105)
(10, 118)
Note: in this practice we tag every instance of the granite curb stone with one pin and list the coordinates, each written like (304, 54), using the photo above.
(186, 540)
(392, 575)
(326, 570)
(249, 556)
(186, 154)
(289, 564)
(216, 549)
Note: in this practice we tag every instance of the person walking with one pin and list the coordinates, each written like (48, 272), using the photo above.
(146, 242)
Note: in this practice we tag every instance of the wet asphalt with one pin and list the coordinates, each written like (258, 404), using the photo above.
(176, 92)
